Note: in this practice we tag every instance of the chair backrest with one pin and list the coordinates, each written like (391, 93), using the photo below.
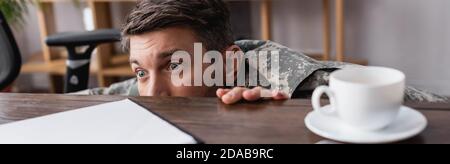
(10, 59)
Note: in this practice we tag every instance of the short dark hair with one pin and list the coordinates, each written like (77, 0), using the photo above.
(209, 19)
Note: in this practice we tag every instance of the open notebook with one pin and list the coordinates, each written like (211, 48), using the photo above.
(121, 122)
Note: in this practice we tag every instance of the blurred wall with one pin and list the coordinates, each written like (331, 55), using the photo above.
(410, 35)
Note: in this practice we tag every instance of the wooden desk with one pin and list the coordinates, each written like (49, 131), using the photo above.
(214, 122)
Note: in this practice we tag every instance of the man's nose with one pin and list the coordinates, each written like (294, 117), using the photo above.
(157, 87)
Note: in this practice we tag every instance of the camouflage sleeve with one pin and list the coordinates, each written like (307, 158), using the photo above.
(416, 95)
(125, 88)
(293, 66)
(321, 77)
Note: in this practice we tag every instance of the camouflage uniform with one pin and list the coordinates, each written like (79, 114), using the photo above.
(299, 74)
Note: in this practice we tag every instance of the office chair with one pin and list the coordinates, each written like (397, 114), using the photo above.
(10, 59)
(78, 63)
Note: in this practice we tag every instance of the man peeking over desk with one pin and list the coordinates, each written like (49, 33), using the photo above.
(186, 48)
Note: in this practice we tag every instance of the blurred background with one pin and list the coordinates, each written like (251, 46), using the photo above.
(410, 35)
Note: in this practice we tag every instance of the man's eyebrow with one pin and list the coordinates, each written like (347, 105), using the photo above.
(161, 55)
(134, 61)
(168, 53)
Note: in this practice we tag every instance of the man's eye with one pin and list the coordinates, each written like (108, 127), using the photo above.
(174, 66)
(141, 74)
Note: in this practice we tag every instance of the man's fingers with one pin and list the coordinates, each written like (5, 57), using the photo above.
(233, 96)
(252, 94)
(279, 95)
(221, 92)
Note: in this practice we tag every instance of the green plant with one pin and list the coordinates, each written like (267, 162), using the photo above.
(16, 10)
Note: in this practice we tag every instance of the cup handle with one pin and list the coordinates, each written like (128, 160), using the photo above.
(316, 97)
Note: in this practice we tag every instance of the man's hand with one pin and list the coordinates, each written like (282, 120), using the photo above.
(231, 96)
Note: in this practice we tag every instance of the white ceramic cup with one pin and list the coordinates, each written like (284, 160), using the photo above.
(367, 98)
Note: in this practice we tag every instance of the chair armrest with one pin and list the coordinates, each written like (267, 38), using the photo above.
(84, 38)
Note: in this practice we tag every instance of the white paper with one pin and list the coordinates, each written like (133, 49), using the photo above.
(122, 122)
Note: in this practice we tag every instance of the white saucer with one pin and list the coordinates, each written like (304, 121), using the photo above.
(409, 123)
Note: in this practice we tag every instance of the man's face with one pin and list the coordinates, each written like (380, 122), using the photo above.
(150, 58)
